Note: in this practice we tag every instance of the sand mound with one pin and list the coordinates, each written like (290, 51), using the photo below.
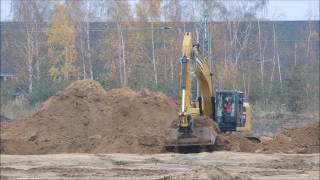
(84, 118)
(294, 140)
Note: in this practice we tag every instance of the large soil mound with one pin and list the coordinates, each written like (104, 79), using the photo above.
(288, 140)
(294, 140)
(84, 118)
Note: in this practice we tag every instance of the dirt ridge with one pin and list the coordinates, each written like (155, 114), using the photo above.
(84, 118)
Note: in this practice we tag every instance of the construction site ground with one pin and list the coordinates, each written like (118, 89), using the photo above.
(217, 165)
(85, 131)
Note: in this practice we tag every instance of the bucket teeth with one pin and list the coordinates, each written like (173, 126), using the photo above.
(202, 136)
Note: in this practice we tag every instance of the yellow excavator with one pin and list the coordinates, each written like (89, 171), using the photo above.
(225, 107)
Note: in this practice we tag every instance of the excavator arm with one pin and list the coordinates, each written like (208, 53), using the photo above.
(190, 130)
(204, 77)
(192, 57)
(185, 81)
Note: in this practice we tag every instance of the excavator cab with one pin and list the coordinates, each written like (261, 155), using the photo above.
(231, 112)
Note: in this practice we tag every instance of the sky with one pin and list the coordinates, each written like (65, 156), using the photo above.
(277, 10)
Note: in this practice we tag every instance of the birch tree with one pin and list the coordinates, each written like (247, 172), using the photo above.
(151, 9)
(80, 13)
(31, 14)
(61, 41)
(171, 11)
(118, 12)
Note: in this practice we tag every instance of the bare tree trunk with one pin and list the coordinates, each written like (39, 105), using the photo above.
(120, 69)
(295, 53)
(171, 66)
(37, 62)
(225, 47)
(249, 81)
(29, 62)
(83, 59)
(165, 62)
(153, 56)
(89, 54)
(308, 40)
(37, 52)
(29, 56)
(279, 68)
(244, 82)
(88, 41)
(261, 59)
(123, 60)
(273, 60)
(120, 54)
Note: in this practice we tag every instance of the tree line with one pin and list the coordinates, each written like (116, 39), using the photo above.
(138, 45)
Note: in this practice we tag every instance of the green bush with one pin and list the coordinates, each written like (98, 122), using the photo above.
(171, 90)
(44, 89)
(7, 89)
(294, 91)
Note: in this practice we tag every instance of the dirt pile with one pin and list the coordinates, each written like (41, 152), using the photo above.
(84, 118)
(288, 140)
(234, 142)
(294, 140)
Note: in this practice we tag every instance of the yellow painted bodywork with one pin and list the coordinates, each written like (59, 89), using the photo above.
(204, 76)
(247, 113)
(187, 54)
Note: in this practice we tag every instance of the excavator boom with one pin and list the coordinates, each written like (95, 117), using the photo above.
(192, 128)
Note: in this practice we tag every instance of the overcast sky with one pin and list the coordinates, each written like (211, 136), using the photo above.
(277, 10)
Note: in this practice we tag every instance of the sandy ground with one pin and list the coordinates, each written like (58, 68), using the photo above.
(217, 165)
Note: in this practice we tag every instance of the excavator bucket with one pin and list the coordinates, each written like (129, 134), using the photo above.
(202, 136)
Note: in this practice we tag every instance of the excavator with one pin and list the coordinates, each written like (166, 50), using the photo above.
(226, 108)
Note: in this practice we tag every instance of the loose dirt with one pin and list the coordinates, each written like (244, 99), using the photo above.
(234, 142)
(288, 140)
(294, 140)
(84, 118)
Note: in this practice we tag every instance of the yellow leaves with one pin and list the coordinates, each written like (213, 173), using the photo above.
(54, 72)
(61, 40)
(66, 69)
(70, 53)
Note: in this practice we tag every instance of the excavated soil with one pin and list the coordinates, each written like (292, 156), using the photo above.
(294, 140)
(301, 140)
(84, 118)
(234, 142)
